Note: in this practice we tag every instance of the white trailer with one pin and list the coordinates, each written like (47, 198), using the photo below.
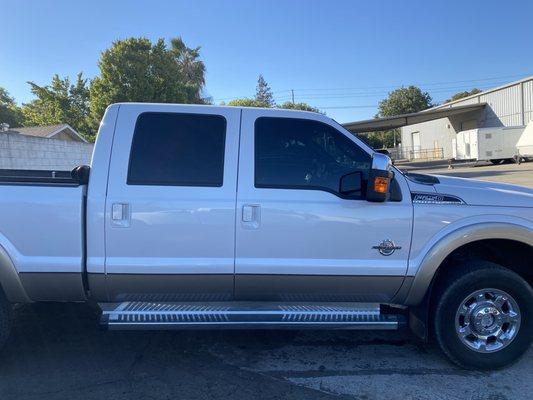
(525, 143)
(487, 144)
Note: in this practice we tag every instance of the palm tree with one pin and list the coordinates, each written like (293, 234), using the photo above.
(191, 68)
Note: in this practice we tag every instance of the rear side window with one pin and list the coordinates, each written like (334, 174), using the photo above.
(171, 149)
(304, 154)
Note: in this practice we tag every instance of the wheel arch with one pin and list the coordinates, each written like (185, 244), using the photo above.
(435, 258)
(10, 281)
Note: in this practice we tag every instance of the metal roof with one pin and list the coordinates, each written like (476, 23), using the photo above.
(507, 85)
(382, 124)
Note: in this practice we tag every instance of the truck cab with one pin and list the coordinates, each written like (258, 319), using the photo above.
(232, 204)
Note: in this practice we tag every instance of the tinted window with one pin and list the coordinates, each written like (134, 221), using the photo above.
(178, 150)
(305, 154)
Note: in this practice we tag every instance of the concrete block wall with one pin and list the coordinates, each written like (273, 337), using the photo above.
(29, 152)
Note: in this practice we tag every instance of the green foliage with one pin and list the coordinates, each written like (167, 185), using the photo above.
(382, 139)
(400, 101)
(404, 101)
(60, 102)
(263, 98)
(136, 69)
(461, 95)
(245, 102)
(298, 106)
(191, 68)
(263, 93)
(10, 113)
(372, 139)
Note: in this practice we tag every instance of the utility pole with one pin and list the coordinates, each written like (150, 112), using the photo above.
(292, 95)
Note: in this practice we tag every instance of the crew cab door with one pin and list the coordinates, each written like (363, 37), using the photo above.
(170, 207)
(298, 238)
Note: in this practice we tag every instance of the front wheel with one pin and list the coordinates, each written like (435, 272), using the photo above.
(483, 317)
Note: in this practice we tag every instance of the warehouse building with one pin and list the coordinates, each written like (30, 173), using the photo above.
(504, 106)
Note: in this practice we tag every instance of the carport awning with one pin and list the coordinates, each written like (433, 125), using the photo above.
(382, 124)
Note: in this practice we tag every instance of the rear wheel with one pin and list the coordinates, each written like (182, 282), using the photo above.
(5, 319)
(483, 317)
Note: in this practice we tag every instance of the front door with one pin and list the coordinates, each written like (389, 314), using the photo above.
(297, 237)
(170, 207)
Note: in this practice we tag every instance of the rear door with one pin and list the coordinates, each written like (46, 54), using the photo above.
(170, 207)
(298, 238)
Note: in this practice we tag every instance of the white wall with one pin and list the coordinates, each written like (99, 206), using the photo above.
(433, 134)
(29, 152)
(508, 106)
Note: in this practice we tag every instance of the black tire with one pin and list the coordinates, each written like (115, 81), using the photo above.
(458, 285)
(5, 319)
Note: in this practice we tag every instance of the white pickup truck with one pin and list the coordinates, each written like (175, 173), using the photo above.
(224, 217)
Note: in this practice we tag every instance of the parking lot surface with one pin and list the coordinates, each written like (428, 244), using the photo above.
(57, 351)
(506, 173)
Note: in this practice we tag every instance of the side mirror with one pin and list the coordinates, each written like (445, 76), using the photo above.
(379, 178)
(351, 184)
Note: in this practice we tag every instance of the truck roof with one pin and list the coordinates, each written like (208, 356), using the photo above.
(209, 106)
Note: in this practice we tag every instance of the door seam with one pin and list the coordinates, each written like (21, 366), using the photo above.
(236, 203)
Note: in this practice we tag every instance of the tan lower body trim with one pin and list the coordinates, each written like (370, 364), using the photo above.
(317, 288)
(54, 286)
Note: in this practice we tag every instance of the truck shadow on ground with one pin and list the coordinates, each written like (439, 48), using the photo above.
(57, 351)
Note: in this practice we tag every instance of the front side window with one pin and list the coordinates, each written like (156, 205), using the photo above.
(171, 149)
(305, 154)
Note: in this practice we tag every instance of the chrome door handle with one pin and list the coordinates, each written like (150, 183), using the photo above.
(251, 216)
(120, 215)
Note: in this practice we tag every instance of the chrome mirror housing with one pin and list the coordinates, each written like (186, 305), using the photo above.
(381, 162)
(379, 178)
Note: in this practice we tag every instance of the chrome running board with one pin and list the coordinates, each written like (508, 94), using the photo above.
(244, 315)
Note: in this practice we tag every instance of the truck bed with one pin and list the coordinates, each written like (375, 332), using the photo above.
(42, 230)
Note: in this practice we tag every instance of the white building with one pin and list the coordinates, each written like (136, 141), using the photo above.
(508, 105)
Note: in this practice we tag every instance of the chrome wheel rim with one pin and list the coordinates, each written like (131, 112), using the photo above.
(487, 320)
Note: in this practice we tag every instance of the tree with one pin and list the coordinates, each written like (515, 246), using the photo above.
(10, 113)
(60, 102)
(191, 68)
(298, 106)
(263, 93)
(245, 102)
(405, 100)
(136, 69)
(263, 98)
(461, 95)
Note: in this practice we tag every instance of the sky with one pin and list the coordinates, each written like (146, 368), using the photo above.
(340, 56)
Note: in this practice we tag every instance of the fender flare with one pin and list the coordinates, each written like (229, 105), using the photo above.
(455, 239)
(10, 280)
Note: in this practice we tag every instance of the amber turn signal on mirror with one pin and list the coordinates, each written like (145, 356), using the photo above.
(381, 184)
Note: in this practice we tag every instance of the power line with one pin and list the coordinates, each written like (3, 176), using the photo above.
(420, 84)
(376, 94)
(289, 92)
(341, 107)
